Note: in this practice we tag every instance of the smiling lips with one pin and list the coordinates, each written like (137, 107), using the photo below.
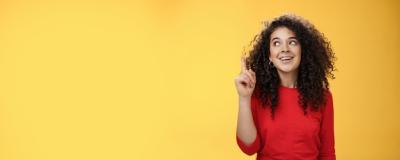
(286, 59)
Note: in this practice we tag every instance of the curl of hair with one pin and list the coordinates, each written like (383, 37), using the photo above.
(316, 65)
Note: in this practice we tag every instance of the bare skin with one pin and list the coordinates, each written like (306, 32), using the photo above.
(245, 84)
(285, 54)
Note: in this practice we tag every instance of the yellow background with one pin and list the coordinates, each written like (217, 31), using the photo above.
(154, 79)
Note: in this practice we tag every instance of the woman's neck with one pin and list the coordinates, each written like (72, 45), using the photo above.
(288, 79)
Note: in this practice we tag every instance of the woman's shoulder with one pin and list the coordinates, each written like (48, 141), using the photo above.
(328, 100)
(327, 93)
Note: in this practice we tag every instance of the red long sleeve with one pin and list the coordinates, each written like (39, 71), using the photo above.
(292, 135)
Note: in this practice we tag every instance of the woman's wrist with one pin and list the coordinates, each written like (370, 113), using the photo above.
(244, 100)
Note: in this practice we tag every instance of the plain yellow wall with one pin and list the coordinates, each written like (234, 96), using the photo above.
(154, 79)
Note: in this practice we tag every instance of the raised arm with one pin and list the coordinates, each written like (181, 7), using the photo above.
(246, 132)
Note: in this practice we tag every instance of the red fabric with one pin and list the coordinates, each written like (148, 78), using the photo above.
(292, 135)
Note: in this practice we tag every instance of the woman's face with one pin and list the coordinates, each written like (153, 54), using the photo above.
(285, 50)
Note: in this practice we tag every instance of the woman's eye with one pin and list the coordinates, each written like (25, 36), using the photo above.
(292, 42)
(276, 43)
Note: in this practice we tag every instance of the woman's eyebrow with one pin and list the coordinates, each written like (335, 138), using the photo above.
(279, 38)
(274, 38)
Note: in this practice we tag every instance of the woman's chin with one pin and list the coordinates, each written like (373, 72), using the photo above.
(286, 69)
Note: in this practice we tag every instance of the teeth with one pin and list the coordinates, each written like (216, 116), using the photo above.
(286, 58)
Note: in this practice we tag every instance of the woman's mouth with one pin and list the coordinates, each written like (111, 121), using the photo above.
(286, 59)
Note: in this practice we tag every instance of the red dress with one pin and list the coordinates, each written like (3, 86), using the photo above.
(292, 135)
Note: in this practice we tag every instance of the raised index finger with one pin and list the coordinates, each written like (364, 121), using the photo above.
(243, 64)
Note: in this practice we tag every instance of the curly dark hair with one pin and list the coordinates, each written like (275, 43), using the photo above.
(316, 65)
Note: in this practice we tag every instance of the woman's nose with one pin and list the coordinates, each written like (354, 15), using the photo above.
(284, 48)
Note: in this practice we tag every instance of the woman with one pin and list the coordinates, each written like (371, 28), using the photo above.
(285, 106)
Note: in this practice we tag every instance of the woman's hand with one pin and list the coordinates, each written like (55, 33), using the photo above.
(245, 82)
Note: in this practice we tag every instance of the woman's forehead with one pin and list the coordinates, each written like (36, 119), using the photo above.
(282, 33)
